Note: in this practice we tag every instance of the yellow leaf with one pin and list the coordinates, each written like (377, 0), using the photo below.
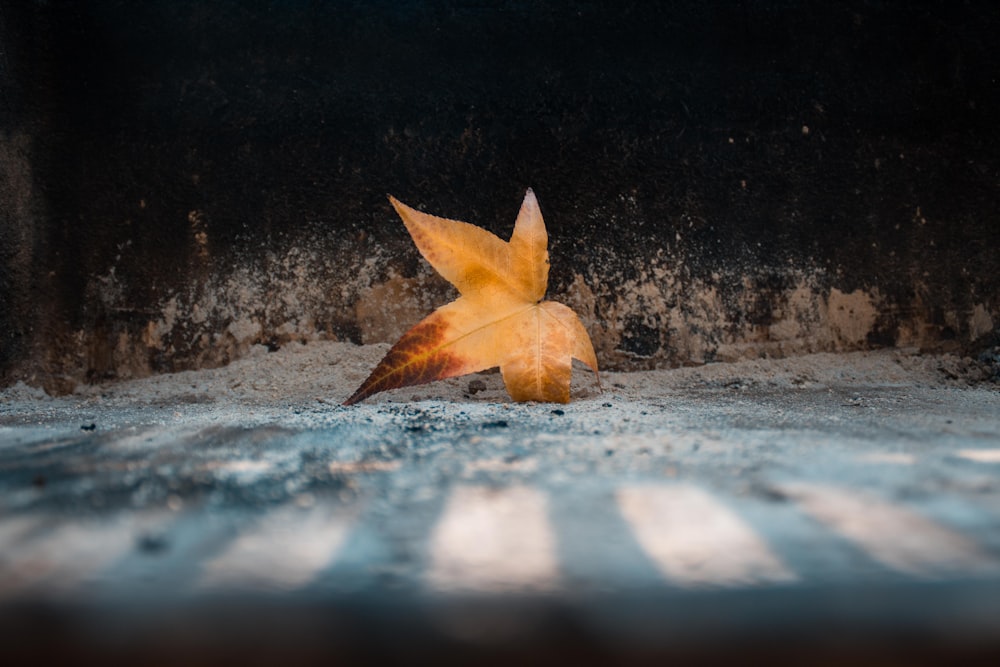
(499, 319)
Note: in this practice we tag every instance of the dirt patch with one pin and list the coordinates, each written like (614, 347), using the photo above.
(327, 372)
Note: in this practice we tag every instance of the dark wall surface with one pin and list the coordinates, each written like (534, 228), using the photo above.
(181, 180)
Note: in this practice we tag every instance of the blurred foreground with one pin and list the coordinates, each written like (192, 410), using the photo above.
(823, 508)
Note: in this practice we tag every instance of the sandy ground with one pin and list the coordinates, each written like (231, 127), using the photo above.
(327, 372)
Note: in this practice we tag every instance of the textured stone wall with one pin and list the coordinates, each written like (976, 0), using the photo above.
(182, 180)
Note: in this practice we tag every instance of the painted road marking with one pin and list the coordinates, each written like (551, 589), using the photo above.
(58, 556)
(981, 455)
(695, 540)
(285, 550)
(889, 458)
(893, 535)
(501, 464)
(493, 540)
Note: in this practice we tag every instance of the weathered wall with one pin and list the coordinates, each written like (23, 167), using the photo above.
(181, 180)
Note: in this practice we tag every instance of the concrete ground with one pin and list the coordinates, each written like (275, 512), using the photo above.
(822, 508)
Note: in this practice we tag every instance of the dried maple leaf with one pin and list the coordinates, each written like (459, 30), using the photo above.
(499, 319)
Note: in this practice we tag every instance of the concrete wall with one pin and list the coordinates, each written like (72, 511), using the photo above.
(182, 180)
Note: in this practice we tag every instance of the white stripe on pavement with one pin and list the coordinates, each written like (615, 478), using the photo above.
(981, 455)
(895, 536)
(58, 555)
(888, 458)
(493, 540)
(695, 540)
(285, 550)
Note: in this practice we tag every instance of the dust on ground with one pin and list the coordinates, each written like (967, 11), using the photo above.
(324, 373)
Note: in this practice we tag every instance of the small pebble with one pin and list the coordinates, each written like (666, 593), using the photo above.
(152, 544)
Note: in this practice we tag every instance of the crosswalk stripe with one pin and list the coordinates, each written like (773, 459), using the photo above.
(697, 541)
(888, 458)
(893, 535)
(58, 556)
(493, 540)
(981, 455)
(16, 568)
(285, 550)
(500, 540)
